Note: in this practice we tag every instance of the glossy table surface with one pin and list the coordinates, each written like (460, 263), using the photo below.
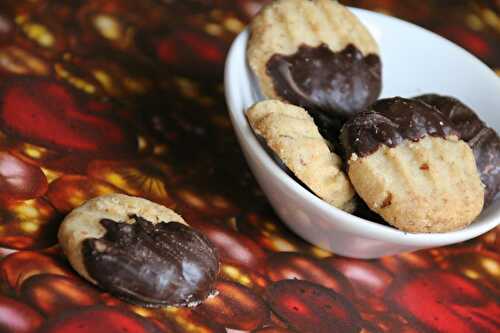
(103, 96)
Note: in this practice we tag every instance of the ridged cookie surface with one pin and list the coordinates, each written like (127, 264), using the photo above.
(324, 40)
(427, 186)
(407, 163)
(292, 135)
(484, 141)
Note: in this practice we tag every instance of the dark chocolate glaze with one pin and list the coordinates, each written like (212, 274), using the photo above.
(461, 117)
(483, 140)
(336, 84)
(486, 148)
(389, 122)
(152, 264)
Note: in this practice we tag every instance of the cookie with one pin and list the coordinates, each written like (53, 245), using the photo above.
(315, 54)
(291, 134)
(483, 140)
(406, 162)
(139, 251)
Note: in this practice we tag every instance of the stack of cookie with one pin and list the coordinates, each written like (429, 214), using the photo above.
(425, 164)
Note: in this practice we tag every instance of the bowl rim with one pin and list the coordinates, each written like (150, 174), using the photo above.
(348, 222)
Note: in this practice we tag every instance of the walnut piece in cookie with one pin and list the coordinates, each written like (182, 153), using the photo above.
(315, 54)
(483, 140)
(291, 134)
(407, 163)
(139, 251)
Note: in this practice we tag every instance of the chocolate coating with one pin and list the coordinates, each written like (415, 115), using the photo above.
(322, 81)
(483, 140)
(486, 148)
(152, 264)
(460, 116)
(389, 122)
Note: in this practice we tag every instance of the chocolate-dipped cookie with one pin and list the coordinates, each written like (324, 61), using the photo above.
(406, 162)
(483, 140)
(139, 251)
(291, 134)
(315, 54)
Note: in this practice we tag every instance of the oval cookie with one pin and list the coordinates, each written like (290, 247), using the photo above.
(291, 134)
(139, 251)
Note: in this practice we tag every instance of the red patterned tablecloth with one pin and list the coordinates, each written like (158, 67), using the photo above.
(102, 96)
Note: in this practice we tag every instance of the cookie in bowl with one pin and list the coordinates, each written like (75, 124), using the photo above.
(317, 55)
(139, 251)
(407, 163)
(290, 133)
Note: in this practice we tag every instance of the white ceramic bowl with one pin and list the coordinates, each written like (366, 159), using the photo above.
(415, 61)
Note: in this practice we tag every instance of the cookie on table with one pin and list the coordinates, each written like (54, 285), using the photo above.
(315, 54)
(139, 251)
(291, 134)
(483, 140)
(406, 162)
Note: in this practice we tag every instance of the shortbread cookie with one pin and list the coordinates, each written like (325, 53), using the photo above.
(315, 54)
(292, 135)
(407, 163)
(139, 251)
(483, 140)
